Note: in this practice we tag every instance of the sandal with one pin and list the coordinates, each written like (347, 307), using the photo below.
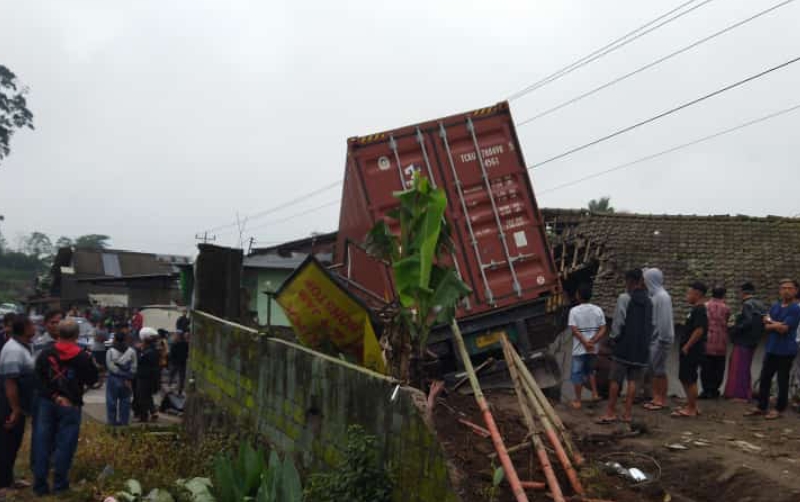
(606, 420)
(651, 406)
(773, 415)
(683, 414)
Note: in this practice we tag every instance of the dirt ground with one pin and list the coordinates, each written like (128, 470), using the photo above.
(727, 456)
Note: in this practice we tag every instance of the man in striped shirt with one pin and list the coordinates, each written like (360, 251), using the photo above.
(588, 325)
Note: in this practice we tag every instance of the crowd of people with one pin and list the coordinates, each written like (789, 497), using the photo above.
(43, 380)
(643, 333)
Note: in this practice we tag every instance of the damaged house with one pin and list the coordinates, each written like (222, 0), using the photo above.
(717, 250)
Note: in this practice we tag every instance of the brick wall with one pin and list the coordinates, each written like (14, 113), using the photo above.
(302, 403)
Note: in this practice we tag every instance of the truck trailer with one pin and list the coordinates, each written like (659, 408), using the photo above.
(501, 248)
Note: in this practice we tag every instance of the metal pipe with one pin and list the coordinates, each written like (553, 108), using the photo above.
(473, 240)
(502, 233)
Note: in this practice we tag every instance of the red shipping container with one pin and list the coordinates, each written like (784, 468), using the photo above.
(501, 246)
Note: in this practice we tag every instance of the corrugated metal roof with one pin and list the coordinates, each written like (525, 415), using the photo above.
(280, 262)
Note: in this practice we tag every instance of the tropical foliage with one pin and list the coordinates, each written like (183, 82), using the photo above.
(600, 205)
(248, 476)
(14, 112)
(428, 287)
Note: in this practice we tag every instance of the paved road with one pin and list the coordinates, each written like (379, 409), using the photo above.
(95, 407)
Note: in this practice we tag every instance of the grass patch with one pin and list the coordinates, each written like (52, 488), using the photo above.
(156, 457)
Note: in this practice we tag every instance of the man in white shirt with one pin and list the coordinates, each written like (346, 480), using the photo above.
(588, 325)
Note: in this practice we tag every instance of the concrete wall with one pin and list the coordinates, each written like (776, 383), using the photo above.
(302, 403)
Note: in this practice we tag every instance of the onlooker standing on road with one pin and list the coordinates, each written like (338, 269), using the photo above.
(588, 325)
(64, 371)
(746, 335)
(51, 321)
(631, 335)
(17, 384)
(781, 324)
(148, 376)
(693, 348)
(178, 355)
(121, 363)
(99, 346)
(137, 321)
(713, 367)
(183, 323)
(663, 336)
(6, 329)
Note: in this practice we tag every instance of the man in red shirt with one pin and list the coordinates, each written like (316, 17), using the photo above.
(713, 367)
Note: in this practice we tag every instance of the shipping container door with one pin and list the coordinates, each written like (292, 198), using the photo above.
(489, 185)
(389, 166)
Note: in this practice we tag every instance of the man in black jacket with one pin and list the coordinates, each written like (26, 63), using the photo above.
(630, 336)
(148, 376)
(64, 372)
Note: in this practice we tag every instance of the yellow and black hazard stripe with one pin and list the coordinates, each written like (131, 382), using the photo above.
(370, 138)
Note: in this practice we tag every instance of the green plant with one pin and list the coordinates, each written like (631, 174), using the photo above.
(427, 286)
(247, 476)
(497, 478)
(361, 476)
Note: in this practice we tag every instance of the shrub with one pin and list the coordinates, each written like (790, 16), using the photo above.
(361, 477)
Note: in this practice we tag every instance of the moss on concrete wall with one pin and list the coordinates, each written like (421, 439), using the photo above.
(302, 403)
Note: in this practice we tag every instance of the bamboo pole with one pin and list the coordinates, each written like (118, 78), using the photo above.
(533, 485)
(505, 460)
(547, 467)
(548, 409)
(549, 429)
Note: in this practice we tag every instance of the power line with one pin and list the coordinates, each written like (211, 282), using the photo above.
(666, 113)
(296, 215)
(653, 64)
(290, 202)
(673, 149)
(586, 178)
(637, 33)
(609, 48)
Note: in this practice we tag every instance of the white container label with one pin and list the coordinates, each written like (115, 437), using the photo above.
(520, 239)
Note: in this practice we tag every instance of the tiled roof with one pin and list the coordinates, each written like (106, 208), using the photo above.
(724, 250)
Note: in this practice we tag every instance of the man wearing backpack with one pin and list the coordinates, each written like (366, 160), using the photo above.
(64, 372)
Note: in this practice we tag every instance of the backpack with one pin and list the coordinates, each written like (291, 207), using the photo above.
(59, 376)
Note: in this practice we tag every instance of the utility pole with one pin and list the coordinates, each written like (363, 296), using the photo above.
(205, 237)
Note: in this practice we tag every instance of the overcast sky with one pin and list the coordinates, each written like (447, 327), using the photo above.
(156, 120)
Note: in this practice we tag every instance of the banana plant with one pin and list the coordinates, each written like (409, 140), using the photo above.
(248, 477)
(427, 286)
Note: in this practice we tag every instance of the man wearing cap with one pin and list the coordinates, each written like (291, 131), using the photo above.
(693, 348)
(148, 374)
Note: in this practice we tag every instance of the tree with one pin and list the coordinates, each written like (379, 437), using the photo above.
(427, 288)
(601, 205)
(14, 113)
(64, 242)
(39, 245)
(92, 241)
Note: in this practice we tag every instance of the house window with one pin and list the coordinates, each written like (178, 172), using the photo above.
(111, 265)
